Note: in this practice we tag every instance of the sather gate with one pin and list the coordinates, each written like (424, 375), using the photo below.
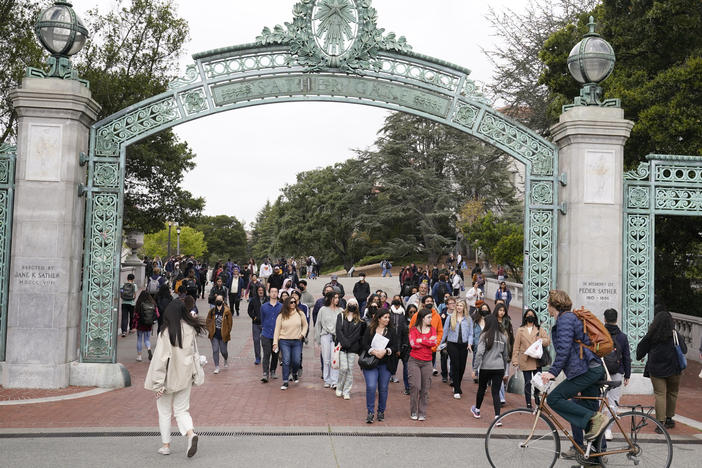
(331, 51)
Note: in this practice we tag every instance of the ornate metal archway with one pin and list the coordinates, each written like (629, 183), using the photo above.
(7, 191)
(331, 51)
(663, 185)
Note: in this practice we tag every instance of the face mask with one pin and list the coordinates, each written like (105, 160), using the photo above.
(484, 313)
(530, 319)
(218, 303)
(396, 303)
(353, 308)
(428, 306)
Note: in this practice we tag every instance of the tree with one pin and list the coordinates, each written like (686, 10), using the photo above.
(265, 231)
(133, 55)
(225, 237)
(501, 240)
(423, 173)
(19, 49)
(515, 58)
(192, 242)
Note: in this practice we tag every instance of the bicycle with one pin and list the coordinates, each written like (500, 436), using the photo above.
(525, 437)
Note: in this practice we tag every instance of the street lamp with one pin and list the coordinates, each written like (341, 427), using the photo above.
(590, 62)
(178, 241)
(62, 33)
(170, 224)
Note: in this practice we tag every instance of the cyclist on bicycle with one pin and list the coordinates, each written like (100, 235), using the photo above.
(582, 374)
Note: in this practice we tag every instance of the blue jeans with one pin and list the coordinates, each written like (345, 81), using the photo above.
(146, 337)
(291, 351)
(577, 412)
(378, 380)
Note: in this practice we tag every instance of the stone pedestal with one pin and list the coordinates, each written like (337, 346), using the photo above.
(133, 264)
(43, 329)
(591, 154)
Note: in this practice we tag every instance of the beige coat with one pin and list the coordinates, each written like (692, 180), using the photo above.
(172, 368)
(522, 341)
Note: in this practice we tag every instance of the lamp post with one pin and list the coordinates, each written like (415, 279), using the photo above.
(590, 62)
(170, 224)
(178, 240)
(62, 33)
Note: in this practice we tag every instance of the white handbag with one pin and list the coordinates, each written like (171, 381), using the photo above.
(536, 350)
(198, 361)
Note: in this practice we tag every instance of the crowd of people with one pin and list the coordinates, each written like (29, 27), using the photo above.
(433, 318)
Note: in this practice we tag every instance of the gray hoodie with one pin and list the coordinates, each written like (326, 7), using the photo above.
(494, 358)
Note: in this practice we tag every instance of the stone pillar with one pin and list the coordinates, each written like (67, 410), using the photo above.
(43, 332)
(591, 154)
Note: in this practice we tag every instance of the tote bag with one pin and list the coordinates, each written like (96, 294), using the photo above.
(682, 360)
(336, 356)
(199, 372)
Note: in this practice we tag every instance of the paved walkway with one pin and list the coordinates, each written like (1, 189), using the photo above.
(236, 397)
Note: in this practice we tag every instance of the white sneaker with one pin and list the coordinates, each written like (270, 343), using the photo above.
(138, 357)
(326, 385)
(608, 434)
(457, 396)
(498, 423)
(226, 364)
(413, 417)
(164, 450)
(216, 371)
(347, 397)
(338, 392)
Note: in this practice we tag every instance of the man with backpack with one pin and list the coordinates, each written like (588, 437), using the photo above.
(128, 295)
(618, 362)
(579, 341)
(440, 289)
(154, 282)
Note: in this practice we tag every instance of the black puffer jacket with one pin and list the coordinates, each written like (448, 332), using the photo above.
(348, 334)
(662, 359)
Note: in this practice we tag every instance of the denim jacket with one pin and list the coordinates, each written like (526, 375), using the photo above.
(452, 335)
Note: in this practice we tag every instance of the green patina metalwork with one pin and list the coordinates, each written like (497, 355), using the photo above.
(663, 185)
(7, 190)
(307, 61)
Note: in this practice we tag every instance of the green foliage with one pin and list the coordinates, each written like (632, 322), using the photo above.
(501, 240)
(131, 56)
(192, 242)
(265, 231)
(371, 259)
(19, 49)
(225, 238)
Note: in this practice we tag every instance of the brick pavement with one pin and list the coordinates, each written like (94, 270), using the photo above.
(236, 397)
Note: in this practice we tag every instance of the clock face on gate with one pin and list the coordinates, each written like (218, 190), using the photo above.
(335, 25)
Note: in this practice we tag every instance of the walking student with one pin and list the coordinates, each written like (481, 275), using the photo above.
(491, 357)
(662, 365)
(422, 338)
(349, 330)
(128, 295)
(618, 362)
(170, 375)
(527, 334)
(269, 314)
(378, 378)
(145, 314)
(458, 337)
(325, 328)
(219, 327)
(254, 311)
(290, 329)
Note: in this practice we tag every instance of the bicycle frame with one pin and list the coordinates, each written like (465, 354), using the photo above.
(542, 408)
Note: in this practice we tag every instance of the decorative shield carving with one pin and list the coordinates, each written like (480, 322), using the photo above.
(335, 26)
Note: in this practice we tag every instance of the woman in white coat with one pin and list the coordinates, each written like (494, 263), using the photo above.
(171, 374)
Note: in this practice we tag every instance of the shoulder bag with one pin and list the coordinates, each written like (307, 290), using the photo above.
(682, 360)
(198, 362)
(367, 361)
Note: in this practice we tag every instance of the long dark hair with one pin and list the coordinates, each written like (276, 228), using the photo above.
(176, 312)
(143, 296)
(285, 311)
(329, 297)
(164, 292)
(492, 328)
(376, 319)
(661, 328)
(423, 312)
(536, 318)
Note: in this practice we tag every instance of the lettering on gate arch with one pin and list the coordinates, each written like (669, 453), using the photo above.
(341, 86)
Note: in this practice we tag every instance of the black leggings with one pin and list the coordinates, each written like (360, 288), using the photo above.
(458, 353)
(528, 374)
(494, 376)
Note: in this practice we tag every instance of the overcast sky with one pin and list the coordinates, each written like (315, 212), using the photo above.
(245, 156)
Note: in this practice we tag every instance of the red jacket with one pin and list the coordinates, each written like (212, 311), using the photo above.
(422, 344)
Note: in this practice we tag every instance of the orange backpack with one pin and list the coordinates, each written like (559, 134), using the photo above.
(600, 338)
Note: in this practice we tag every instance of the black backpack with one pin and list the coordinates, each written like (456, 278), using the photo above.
(148, 313)
(613, 360)
(128, 292)
(443, 289)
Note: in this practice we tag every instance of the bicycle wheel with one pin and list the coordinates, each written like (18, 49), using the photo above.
(651, 449)
(507, 445)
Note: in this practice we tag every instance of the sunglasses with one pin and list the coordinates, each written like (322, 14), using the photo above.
(293, 302)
